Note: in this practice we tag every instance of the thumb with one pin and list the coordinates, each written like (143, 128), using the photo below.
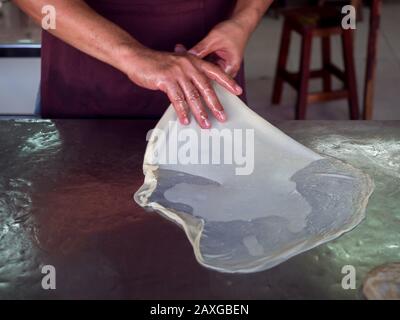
(180, 48)
(202, 49)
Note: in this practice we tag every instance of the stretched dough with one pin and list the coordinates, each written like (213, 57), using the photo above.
(288, 200)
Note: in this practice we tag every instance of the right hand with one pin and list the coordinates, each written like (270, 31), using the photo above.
(186, 80)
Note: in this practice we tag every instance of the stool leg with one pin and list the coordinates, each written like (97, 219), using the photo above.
(350, 73)
(304, 79)
(326, 60)
(282, 61)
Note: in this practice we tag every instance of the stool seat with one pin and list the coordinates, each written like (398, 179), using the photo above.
(319, 20)
(322, 22)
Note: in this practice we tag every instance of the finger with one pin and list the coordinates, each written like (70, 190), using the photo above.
(222, 64)
(230, 68)
(193, 99)
(202, 49)
(210, 97)
(215, 73)
(177, 98)
(180, 48)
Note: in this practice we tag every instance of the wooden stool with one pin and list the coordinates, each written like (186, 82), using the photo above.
(313, 22)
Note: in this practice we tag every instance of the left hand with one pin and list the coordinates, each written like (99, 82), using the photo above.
(226, 42)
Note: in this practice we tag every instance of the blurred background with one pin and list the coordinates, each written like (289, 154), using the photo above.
(20, 63)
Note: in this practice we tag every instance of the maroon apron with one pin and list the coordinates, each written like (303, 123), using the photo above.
(76, 85)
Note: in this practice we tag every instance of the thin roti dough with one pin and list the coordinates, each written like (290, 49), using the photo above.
(292, 201)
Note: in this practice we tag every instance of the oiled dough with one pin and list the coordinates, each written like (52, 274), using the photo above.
(294, 199)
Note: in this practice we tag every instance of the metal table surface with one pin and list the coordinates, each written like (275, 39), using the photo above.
(66, 190)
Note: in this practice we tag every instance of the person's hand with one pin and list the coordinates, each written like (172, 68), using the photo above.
(186, 80)
(225, 44)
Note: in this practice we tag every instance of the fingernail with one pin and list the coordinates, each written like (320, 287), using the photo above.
(193, 52)
(207, 123)
(238, 89)
(185, 121)
(221, 116)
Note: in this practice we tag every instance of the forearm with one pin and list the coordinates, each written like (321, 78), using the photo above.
(248, 13)
(81, 27)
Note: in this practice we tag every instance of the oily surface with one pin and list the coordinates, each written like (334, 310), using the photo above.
(66, 191)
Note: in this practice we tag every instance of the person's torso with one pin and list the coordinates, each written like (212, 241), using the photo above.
(77, 85)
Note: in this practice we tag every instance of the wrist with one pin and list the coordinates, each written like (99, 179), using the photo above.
(247, 20)
(126, 55)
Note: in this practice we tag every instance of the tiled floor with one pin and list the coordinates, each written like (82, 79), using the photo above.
(262, 56)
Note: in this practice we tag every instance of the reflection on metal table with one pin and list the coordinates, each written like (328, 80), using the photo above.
(66, 190)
